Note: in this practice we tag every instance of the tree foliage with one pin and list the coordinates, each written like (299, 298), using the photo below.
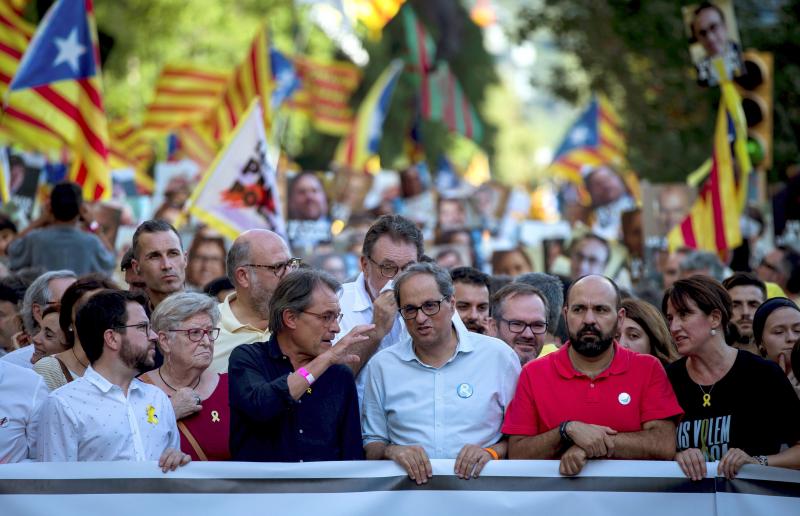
(636, 53)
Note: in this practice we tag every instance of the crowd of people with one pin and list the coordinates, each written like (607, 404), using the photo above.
(252, 354)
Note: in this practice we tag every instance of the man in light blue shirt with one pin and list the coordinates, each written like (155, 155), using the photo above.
(441, 395)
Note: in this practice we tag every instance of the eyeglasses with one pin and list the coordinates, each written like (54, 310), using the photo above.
(389, 270)
(143, 327)
(279, 269)
(197, 334)
(429, 308)
(537, 327)
(326, 318)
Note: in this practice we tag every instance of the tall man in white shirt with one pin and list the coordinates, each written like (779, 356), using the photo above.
(256, 262)
(443, 393)
(108, 414)
(391, 245)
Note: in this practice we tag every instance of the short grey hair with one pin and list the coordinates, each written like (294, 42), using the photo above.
(517, 288)
(175, 309)
(238, 254)
(38, 293)
(294, 293)
(698, 260)
(552, 291)
(442, 277)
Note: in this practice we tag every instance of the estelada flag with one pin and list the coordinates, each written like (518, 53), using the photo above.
(59, 82)
(594, 139)
(364, 139)
(239, 190)
(713, 222)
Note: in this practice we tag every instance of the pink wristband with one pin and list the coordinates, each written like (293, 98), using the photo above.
(307, 375)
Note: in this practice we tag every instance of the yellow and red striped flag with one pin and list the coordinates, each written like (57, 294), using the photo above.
(21, 125)
(250, 80)
(325, 93)
(713, 222)
(58, 84)
(129, 147)
(195, 142)
(184, 94)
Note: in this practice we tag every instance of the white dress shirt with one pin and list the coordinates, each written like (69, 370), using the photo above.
(20, 357)
(91, 419)
(356, 306)
(22, 393)
(462, 402)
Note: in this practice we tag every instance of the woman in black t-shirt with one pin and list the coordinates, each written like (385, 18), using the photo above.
(739, 408)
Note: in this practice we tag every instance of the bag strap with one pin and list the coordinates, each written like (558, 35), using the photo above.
(64, 369)
(192, 441)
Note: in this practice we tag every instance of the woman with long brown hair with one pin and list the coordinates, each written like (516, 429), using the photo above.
(644, 330)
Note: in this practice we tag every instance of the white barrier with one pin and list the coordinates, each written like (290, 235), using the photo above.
(352, 488)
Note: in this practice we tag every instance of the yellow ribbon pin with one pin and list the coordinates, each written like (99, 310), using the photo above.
(214, 416)
(152, 418)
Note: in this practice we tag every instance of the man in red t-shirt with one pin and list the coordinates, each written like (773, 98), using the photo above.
(592, 398)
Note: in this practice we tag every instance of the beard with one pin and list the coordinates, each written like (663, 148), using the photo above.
(261, 295)
(590, 342)
(139, 361)
(475, 326)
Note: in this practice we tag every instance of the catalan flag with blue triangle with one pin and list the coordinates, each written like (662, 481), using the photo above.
(58, 81)
(364, 139)
(713, 222)
(594, 139)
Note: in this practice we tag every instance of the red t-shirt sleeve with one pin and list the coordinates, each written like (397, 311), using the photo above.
(659, 400)
(522, 418)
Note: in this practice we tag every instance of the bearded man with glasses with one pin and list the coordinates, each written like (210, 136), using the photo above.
(256, 262)
(519, 317)
(293, 399)
(443, 393)
(108, 414)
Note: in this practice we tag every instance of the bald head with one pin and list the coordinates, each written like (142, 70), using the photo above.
(253, 245)
(598, 285)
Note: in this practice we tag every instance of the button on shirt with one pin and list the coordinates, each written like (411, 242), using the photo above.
(356, 308)
(462, 402)
(268, 425)
(91, 419)
(232, 333)
(22, 393)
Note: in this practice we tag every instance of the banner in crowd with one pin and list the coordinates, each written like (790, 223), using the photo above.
(239, 190)
(505, 487)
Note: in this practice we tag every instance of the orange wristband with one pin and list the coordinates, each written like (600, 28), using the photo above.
(493, 453)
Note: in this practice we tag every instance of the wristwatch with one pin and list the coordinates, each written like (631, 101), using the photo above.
(762, 460)
(566, 440)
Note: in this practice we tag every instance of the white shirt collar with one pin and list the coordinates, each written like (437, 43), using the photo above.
(100, 381)
(362, 300)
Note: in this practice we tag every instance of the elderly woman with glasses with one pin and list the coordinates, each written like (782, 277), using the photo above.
(186, 325)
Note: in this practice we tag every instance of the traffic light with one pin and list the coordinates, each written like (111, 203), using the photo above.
(755, 88)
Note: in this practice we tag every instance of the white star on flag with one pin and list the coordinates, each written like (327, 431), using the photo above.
(579, 135)
(69, 50)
